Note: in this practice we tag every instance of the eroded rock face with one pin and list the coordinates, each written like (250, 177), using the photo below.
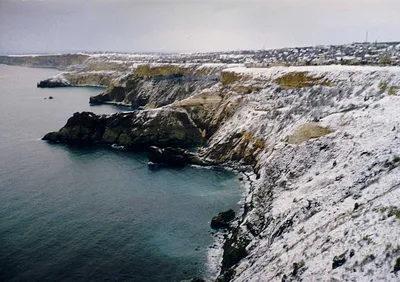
(173, 157)
(157, 91)
(53, 82)
(135, 130)
(81, 128)
(167, 156)
(223, 219)
(102, 78)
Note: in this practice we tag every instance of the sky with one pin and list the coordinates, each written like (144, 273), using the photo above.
(57, 26)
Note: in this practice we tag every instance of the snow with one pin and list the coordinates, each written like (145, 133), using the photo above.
(333, 71)
(329, 195)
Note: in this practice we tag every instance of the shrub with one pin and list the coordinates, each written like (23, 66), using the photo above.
(300, 80)
(393, 90)
(382, 86)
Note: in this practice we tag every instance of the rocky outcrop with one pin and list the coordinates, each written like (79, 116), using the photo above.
(166, 156)
(54, 82)
(175, 157)
(134, 130)
(94, 78)
(223, 219)
(81, 128)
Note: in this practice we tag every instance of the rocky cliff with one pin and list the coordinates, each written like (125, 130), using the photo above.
(322, 143)
(134, 130)
(152, 92)
(324, 203)
(92, 78)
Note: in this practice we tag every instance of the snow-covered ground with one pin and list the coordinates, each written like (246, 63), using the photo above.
(327, 209)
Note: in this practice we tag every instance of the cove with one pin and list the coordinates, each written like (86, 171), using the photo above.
(78, 214)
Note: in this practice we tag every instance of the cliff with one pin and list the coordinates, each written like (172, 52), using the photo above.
(134, 130)
(45, 61)
(152, 92)
(322, 143)
(93, 78)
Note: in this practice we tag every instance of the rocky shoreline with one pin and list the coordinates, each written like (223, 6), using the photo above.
(320, 140)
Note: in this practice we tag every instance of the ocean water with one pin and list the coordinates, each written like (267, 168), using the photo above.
(94, 214)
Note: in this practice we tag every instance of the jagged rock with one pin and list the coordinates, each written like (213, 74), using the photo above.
(166, 156)
(233, 253)
(79, 79)
(222, 219)
(173, 157)
(339, 260)
(53, 82)
(134, 130)
(194, 159)
(81, 128)
(397, 265)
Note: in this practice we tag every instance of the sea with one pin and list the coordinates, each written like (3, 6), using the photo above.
(95, 213)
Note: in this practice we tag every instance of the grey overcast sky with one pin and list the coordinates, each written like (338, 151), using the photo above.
(191, 25)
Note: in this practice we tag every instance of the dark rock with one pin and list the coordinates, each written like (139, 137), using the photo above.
(81, 128)
(51, 97)
(222, 219)
(194, 159)
(226, 276)
(134, 130)
(166, 156)
(52, 83)
(339, 260)
(297, 266)
(233, 255)
(352, 253)
(173, 157)
(397, 265)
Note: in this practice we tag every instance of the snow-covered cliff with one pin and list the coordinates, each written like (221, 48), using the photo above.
(325, 145)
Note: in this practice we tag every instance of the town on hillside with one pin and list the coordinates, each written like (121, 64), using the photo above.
(366, 53)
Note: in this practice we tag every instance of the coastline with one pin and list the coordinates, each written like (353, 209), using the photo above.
(215, 252)
(289, 123)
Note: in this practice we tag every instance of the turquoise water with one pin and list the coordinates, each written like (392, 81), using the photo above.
(79, 214)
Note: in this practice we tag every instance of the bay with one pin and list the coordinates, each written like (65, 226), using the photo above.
(94, 214)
